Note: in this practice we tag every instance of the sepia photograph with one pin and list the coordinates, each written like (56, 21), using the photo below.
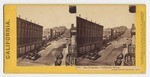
(76, 35)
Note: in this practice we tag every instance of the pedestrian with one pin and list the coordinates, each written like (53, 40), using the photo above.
(120, 56)
(58, 62)
(68, 60)
(118, 62)
(60, 56)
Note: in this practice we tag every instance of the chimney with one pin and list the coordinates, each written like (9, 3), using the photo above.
(79, 15)
(72, 26)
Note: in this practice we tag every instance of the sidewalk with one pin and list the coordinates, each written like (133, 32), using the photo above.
(125, 51)
(65, 52)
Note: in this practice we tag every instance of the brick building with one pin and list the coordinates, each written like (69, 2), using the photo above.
(29, 36)
(89, 36)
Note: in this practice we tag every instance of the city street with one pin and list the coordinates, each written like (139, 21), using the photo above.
(48, 55)
(109, 54)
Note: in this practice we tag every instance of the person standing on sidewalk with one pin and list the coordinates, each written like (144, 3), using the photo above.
(59, 58)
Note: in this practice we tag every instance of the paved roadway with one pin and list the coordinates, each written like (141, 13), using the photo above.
(109, 54)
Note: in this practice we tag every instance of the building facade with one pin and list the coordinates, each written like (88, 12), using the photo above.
(89, 36)
(29, 36)
(54, 33)
(72, 53)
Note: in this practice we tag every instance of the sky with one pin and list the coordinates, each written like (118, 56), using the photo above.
(50, 16)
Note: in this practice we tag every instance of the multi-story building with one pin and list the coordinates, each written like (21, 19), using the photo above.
(29, 36)
(89, 36)
(130, 56)
(58, 31)
(72, 53)
(108, 34)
